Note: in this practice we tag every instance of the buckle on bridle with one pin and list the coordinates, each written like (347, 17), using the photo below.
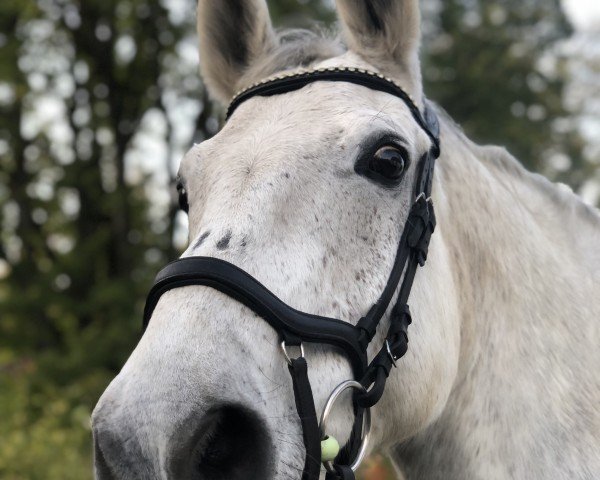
(285, 352)
(390, 354)
(421, 221)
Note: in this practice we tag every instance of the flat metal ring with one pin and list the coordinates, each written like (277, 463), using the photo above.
(366, 427)
(285, 353)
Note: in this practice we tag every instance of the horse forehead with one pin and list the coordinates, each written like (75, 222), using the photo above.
(312, 117)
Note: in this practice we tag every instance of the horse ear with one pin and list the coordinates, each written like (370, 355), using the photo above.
(387, 33)
(232, 34)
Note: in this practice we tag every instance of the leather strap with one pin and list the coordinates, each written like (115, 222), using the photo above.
(344, 472)
(305, 406)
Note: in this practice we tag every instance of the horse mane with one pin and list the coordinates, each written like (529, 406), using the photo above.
(559, 195)
(294, 48)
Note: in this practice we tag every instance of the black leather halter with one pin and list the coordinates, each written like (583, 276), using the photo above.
(295, 327)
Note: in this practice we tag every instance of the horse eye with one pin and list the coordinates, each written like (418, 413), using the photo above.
(386, 166)
(183, 200)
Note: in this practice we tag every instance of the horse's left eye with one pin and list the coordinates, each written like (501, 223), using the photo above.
(183, 199)
(386, 166)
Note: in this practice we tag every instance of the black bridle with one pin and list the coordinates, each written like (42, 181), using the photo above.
(295, 327)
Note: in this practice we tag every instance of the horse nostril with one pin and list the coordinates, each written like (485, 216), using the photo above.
(232, 445)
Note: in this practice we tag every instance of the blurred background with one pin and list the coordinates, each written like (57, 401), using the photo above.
(99, 100)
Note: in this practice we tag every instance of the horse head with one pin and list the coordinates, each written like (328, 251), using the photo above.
(305, 195)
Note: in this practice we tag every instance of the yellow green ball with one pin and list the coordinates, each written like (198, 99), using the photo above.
(329, 449)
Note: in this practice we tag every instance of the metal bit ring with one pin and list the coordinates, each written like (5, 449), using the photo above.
(362, 451)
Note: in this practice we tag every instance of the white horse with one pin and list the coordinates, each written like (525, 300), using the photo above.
(502, 376)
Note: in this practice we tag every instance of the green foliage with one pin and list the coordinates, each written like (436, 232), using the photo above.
(304, 13)
(84, 88)
(45, 429)
(484, 64)
(76, 233)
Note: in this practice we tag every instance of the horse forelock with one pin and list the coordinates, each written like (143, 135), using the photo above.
(293, 48)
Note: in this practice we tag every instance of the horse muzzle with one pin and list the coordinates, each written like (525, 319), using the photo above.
(225, 443)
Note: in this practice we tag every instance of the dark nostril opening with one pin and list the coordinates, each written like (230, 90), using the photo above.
(233, 444)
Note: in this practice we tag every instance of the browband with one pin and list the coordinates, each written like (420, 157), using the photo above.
(290, 82)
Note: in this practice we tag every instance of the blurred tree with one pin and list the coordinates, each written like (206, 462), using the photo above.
(301, 13)
(579, 58)
(81, 84)
(489, 63)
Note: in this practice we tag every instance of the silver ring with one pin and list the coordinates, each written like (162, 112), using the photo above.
(285, 353)
(366, 427)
